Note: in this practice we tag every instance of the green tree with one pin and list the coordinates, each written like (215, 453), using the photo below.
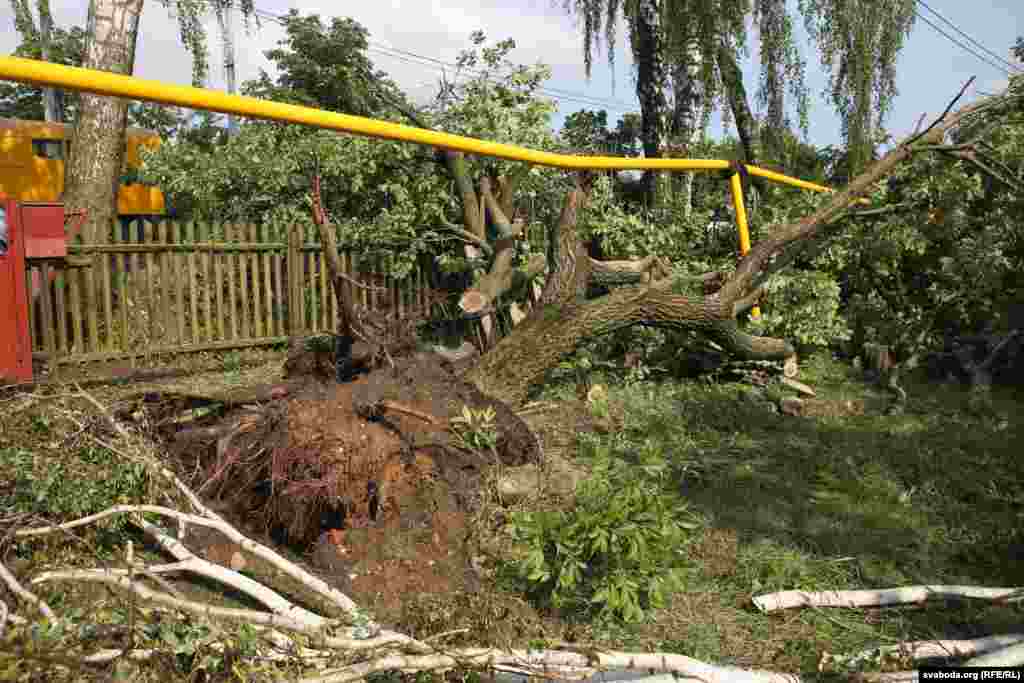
(66, 46)
(166, 121)
(587, 132)
(859, 41)
(698, 43)
(325, 67)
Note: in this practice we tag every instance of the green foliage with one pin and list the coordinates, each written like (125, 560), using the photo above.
(325, 67)
(629, 235)
(383, 197)
(166, 121)
(64, 488)
(586, 131)
(23, 101)
(615, 553)
(475, 429)
(859, 41)
(947, 259)
(802, 306)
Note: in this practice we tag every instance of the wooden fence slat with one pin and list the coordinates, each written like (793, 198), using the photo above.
(150, 263)
(232, 305)
(280, 301)
(167, 280)
(218, 288)
(106, 293)
(47, 309)
(76, 280)
(244, 296)
(61, 317)
(193, 285)
(322, 312)
(257, 290)
(120, 276)
(178, 273)
(206, 283)
(292, 269)
(301, 280)
(91, 308)
(268, 291)
(364, 293)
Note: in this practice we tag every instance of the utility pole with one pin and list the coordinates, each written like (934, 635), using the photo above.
(223, 10)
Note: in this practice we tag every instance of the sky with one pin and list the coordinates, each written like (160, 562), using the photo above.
(931, 69)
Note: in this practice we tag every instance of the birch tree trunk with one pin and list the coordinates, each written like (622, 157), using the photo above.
(689, 98)
(651, 83)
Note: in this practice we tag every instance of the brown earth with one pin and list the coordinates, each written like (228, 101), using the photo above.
(364, 478)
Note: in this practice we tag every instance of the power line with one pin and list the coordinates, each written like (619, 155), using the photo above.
(969, 38)
(995, 66)
(438, 65)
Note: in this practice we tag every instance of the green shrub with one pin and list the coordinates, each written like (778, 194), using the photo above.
(616, 552)
(65, 486)
(804, 307)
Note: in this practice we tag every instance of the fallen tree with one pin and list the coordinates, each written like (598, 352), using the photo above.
(647, 292)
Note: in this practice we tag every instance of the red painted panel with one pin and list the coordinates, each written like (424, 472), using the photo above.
(15, 342)
(44, 230)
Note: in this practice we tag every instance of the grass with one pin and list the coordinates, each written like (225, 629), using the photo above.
(834, 502)
(852, 498)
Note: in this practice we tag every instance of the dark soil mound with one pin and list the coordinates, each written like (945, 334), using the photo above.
(364, 476)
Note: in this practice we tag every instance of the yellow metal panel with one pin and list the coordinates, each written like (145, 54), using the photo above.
(30, 178)
(741, 223)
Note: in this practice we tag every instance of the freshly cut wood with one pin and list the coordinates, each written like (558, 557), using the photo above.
(798, 387)
(889, 596)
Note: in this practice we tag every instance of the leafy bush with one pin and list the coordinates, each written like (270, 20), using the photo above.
(616, 551)
(71, 485)
(804, 307)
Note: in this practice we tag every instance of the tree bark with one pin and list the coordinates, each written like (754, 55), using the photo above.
(651, 83)
(689, 98)
(97, 150)
(746, 125)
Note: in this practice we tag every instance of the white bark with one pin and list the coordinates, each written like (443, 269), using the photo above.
(1009, 656)
(889, 596)
(23, 593)
(919, 650)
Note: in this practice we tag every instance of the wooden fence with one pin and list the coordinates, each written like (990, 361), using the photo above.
(171, 288)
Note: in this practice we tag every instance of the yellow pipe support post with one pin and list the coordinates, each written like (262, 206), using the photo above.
(741, 223)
